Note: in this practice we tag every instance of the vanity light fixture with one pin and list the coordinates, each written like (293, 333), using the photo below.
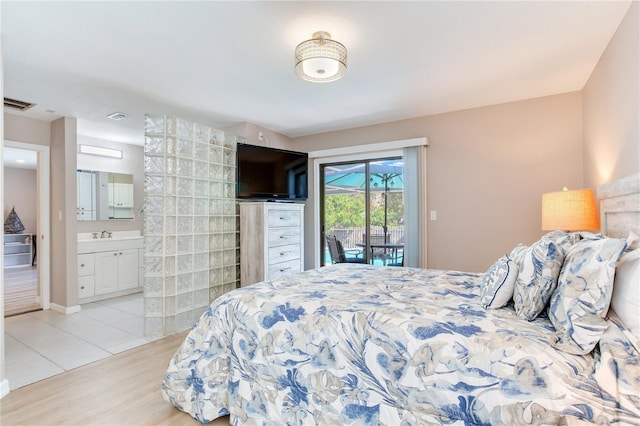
(99, 150)
(321, 59)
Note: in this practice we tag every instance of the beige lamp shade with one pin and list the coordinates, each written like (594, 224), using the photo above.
(569, 211)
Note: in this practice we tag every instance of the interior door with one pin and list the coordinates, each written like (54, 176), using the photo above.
(39, 274)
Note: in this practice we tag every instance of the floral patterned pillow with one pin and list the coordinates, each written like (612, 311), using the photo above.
(537, 278)
(563, 240)
(517, 253)
(582, 298)
(496, 289)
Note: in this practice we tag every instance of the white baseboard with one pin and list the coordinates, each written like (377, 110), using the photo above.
(65, 309)
(4, 388)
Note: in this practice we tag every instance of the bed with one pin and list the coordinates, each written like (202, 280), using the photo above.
(364, 345)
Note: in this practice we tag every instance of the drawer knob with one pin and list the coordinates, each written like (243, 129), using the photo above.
(82, 265)
(284, 253)
(285, 218)
(285, 269)
(81, 287)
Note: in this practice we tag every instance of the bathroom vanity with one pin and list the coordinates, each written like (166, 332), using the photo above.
(109, 266)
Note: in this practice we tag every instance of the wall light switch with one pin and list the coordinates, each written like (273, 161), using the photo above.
(433, 215)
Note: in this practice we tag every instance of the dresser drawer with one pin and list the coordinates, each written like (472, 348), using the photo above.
(85, 265)
(278, 218)
(283, 236)
(284, 253)
(284, 268)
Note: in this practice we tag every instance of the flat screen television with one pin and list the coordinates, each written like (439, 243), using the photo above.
(271, 174)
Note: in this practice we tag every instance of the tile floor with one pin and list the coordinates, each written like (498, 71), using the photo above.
(45, 343)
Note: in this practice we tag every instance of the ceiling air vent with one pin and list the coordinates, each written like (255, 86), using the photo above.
(117, 115)
(16, 104)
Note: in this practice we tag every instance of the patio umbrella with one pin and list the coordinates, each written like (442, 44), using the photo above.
(384, 175)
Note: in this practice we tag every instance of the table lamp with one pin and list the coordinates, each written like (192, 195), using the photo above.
(569, 211)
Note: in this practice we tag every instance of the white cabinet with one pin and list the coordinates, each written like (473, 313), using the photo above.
(120, 200)
(104, 270)
(121, 195)
(271, 240)
(86, 275)
(116, 270)
(17, 250)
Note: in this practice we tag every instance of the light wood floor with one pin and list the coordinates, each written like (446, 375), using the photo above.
(20, 290)
(123, 389)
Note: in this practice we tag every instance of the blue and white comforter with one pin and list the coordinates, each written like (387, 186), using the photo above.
(357, 344)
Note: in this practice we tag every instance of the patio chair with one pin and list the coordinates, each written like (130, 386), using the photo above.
(398, 254)
(398, 260)
(339, 254)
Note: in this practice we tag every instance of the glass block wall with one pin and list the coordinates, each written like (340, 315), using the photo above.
(191, 229)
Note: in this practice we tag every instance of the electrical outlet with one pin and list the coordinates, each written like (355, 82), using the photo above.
(434, 215)
(260, 137)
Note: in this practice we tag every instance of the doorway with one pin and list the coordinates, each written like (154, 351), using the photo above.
(362, 212)
(26, 253)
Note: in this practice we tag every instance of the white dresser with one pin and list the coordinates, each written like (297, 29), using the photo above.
(271, 240)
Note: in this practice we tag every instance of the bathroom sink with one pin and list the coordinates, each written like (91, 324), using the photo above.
(116, 242)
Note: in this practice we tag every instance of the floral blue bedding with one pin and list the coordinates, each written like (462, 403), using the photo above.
(365, 345)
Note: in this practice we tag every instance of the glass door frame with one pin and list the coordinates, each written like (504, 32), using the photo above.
(367, 194)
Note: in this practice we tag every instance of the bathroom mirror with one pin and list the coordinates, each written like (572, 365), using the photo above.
(104, 195)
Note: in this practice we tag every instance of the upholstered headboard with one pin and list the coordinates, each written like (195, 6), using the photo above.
(620, 207)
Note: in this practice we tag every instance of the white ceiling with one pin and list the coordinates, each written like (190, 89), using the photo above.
(223, 63)
(19, 158)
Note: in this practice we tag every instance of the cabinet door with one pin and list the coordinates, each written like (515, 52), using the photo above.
(86, 195)
(125, 192)
(127, 269)
(111, 194)
(106, 268)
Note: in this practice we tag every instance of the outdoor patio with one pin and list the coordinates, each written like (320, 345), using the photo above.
(352, 240)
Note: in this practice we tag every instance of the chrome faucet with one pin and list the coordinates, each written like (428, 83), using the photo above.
(103, 233)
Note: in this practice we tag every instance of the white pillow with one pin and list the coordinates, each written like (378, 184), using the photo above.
(497, 284)
(632, 241)
(625, 300)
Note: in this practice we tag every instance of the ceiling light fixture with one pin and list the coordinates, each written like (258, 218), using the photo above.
(321, 59)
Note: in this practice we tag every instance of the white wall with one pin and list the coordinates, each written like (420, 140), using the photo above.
(4, 383)
(612, 107)
(487, 169)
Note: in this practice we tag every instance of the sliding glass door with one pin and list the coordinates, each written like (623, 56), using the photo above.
(362, 206)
